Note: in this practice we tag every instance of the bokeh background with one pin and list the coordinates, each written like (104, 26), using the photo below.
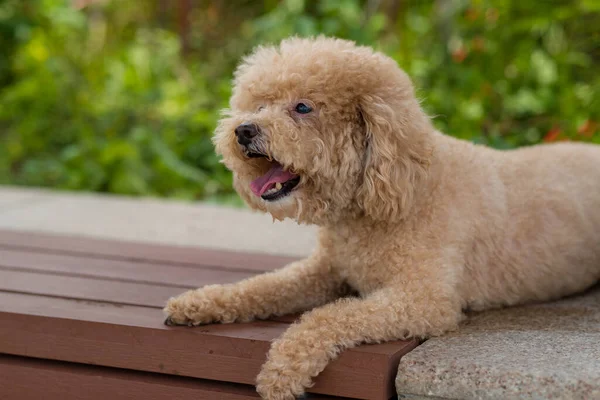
(122, 96)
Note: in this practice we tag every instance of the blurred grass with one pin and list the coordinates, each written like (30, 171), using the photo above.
(96, 95)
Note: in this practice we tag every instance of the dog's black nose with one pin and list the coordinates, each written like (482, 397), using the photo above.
(245, 132)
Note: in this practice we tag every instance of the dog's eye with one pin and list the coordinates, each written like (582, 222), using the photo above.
(302, 108)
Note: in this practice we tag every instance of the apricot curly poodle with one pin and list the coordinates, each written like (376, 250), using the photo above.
(421, 225)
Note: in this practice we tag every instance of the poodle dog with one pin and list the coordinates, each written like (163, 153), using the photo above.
(422, 226)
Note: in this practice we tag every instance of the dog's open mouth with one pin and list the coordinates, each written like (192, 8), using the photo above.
(276, 183)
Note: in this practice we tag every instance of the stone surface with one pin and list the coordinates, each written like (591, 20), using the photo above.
(542, 351)
(152, 220)
(12, 198)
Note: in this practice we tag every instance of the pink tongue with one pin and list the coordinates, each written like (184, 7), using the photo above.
(275, 175)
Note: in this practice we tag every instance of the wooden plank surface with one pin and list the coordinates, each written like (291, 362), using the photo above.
(134, 338)
(122, 270)
(128, 293)
(102, 306)
(33, 379)
(114, 249)
(69, 381)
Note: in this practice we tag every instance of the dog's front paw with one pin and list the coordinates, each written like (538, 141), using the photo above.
(279, 383)
(200, 306)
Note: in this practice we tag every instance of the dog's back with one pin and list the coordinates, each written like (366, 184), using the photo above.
(547, 244)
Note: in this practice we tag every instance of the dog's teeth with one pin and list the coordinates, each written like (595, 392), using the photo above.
(278, 186)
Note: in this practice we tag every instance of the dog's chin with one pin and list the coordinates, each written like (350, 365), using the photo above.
(286, 207)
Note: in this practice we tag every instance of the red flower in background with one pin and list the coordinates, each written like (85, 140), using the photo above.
(459, 55)
(588, 128)
(471, 14)
(80, 4)
(553, 134)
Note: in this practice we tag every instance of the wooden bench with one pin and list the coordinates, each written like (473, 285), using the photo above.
(81, 318)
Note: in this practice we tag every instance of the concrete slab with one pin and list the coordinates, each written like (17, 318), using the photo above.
(11, 198)
(153, 221)
(545, 351)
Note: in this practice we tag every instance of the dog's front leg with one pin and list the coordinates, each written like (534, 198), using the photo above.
(298, 287)
(388, 314)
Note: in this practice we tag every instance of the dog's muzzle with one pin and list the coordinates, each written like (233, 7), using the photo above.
(246, 132)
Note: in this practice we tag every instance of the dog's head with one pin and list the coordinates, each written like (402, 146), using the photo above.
(322, 130)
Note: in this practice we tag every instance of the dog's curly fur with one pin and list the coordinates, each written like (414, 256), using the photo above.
(423, 226)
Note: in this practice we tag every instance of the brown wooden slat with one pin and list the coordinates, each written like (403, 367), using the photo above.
(33, 379)
(18, 268)
(97, 289)
(123, 270)
(139, 294)
(56, 380)
(115, 249)
(134, 338)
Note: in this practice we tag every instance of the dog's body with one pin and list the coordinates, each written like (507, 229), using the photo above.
(421, 225)
(511, 226)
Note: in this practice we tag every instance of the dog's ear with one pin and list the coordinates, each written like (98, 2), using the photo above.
(397, 155)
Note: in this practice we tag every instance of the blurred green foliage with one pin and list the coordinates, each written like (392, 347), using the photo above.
(96, 95)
